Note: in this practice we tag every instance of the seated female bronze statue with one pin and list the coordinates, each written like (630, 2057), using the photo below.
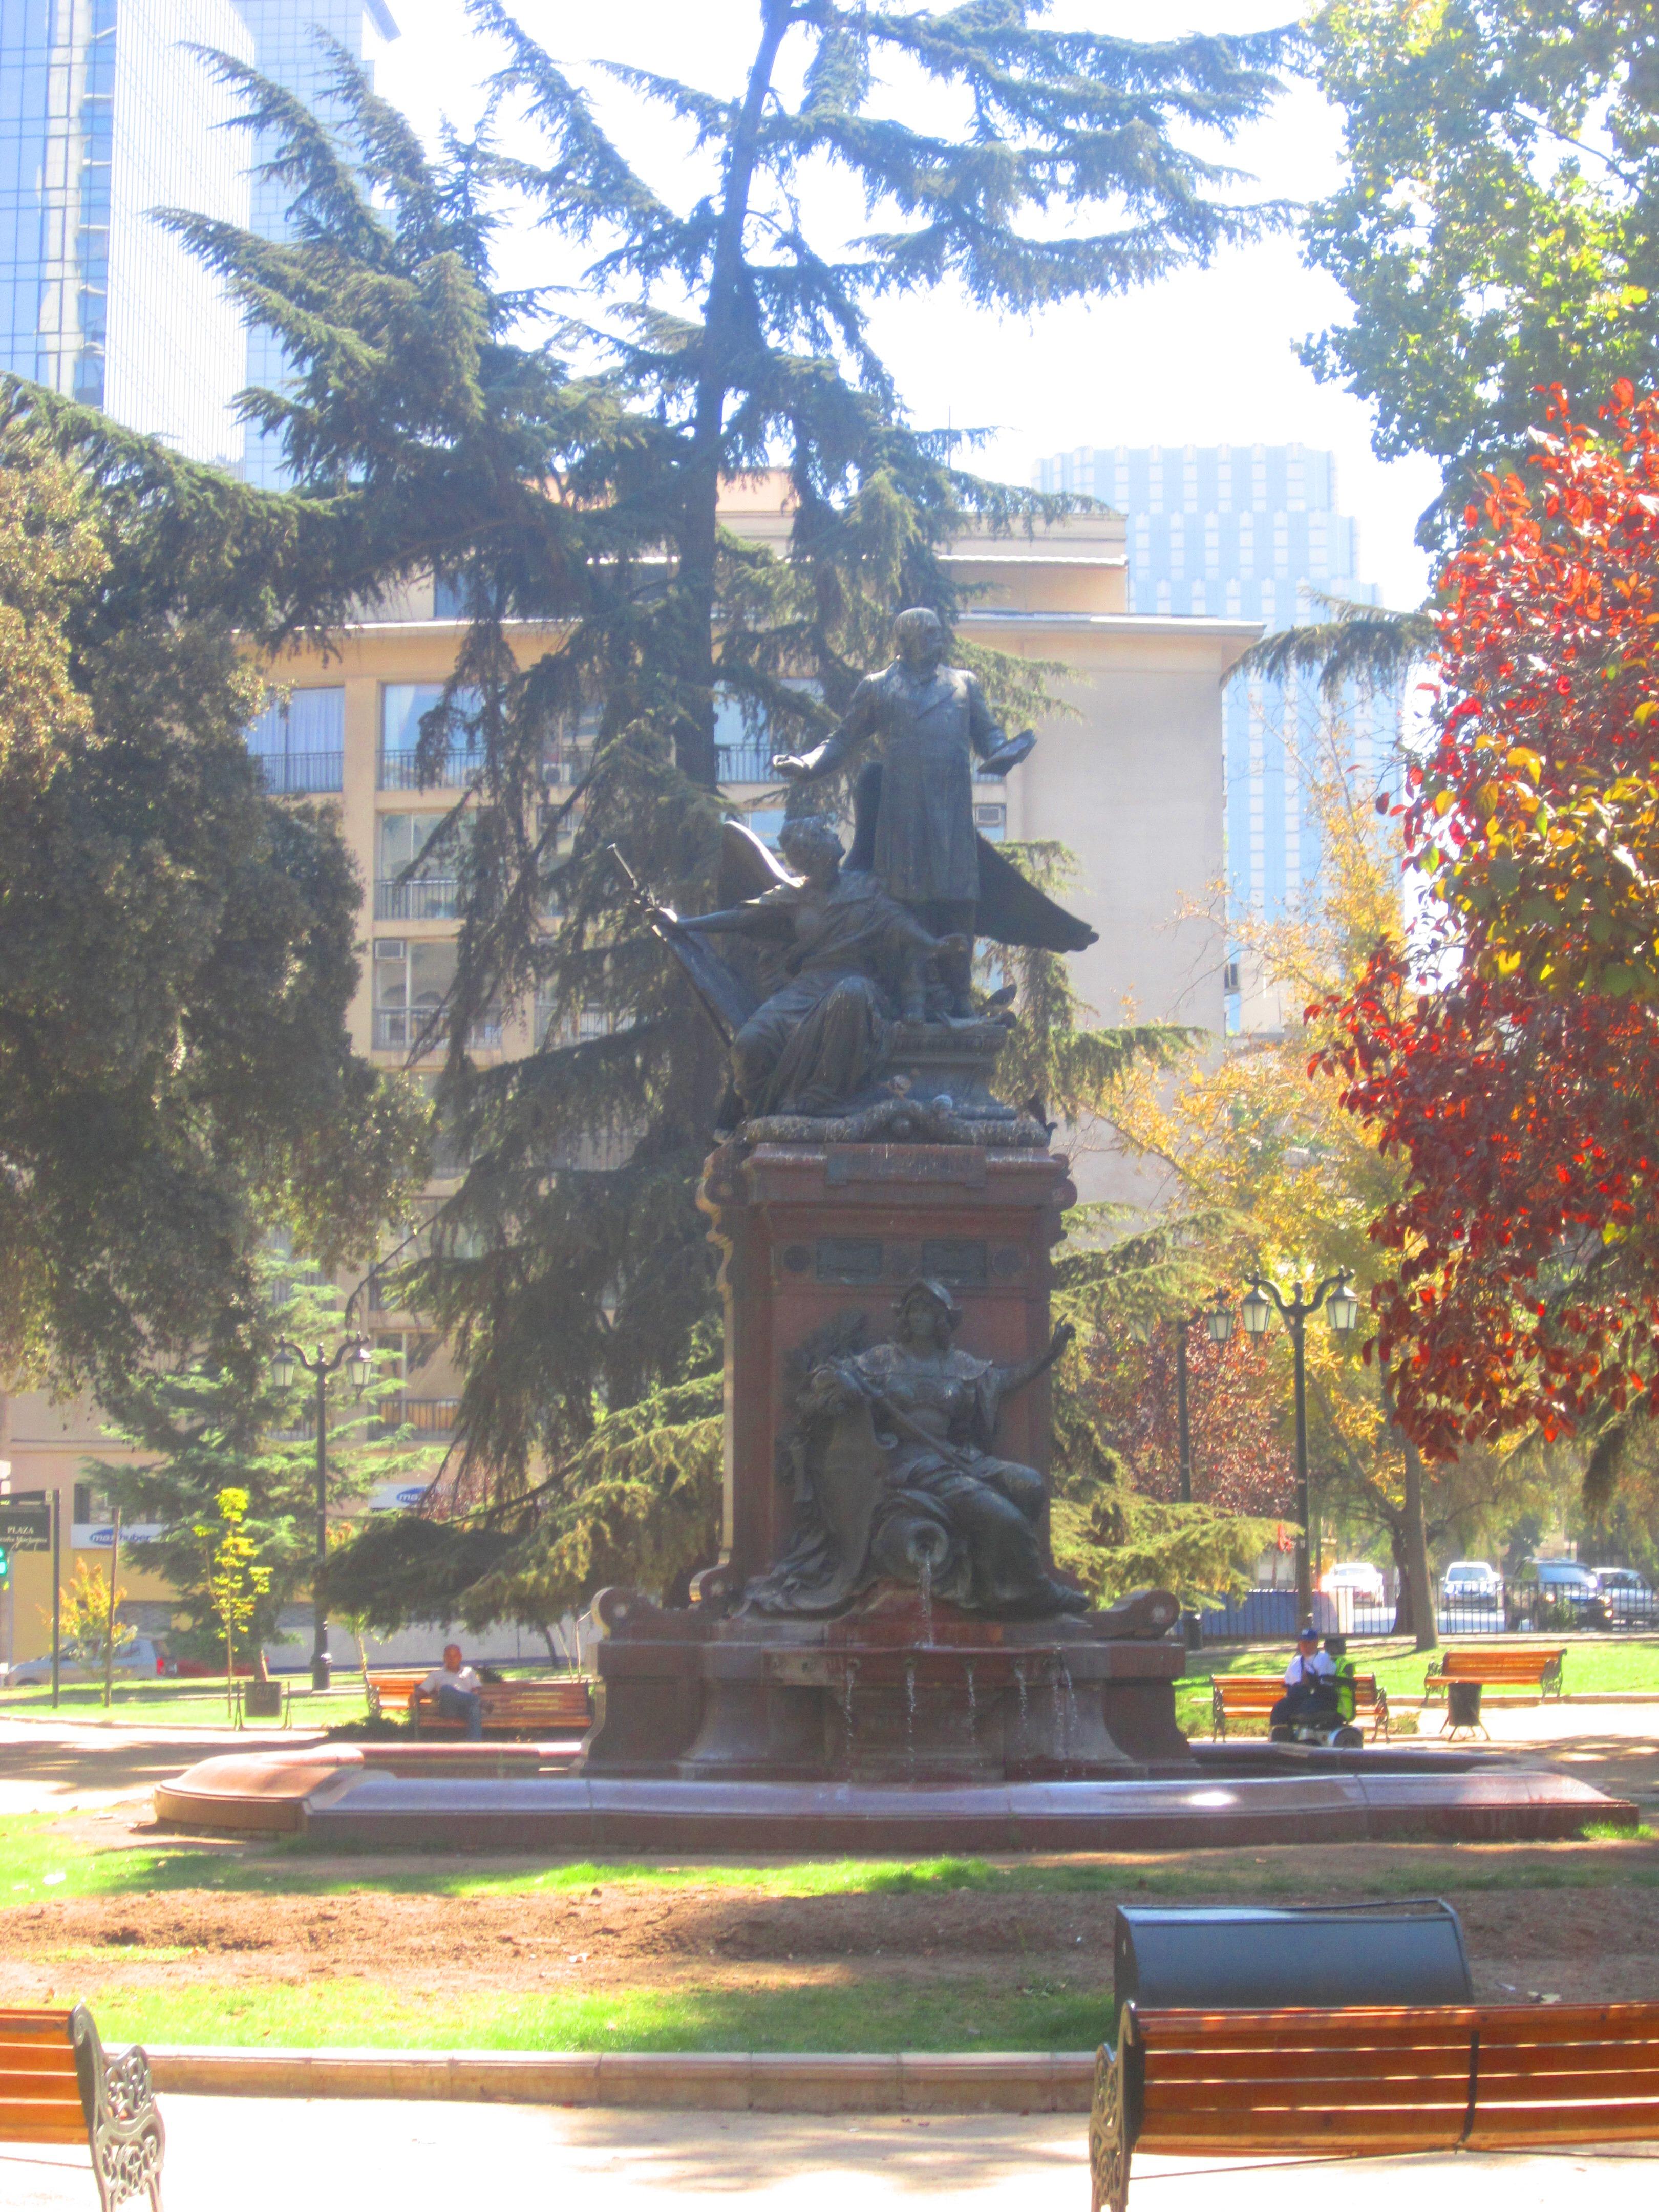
(896, 1479)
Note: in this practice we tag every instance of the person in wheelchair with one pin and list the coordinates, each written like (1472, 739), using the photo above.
(1310, 1698)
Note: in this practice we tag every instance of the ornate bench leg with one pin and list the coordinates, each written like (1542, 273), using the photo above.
(1108, 2141)
(124, 2128)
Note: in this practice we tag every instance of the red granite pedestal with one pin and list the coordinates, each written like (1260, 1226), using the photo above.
(895, 1690)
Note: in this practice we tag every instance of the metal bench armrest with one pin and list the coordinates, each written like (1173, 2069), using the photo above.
(124, 2127)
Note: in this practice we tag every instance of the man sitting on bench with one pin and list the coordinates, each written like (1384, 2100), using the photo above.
(457, 1689)
(1309, 1684)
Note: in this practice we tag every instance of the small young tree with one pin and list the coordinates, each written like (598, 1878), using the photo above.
(234, 1579)
(85, 1610)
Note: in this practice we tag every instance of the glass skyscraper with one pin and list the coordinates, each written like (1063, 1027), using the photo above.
(105, 116)
(287, 49)
(1251, 530)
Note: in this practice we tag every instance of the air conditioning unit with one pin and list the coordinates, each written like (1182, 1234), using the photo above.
(990, 817)
(389, 948)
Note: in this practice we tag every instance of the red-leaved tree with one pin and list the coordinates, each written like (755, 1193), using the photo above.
(1240, 1463)
(1512, 1059)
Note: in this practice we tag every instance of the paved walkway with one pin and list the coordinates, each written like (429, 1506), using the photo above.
(268, 2156)
(68, 1766)
(1615, 1749)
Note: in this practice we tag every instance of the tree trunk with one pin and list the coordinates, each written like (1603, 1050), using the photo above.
(1405, 1622)
(723, 314)
(1413, 1541)
(1417, 1554)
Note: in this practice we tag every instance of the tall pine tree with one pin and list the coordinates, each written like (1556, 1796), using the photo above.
(565, 477)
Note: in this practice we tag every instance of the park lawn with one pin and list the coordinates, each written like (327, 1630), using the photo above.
(150, 1703)
(842, 2012)
(42, 1858)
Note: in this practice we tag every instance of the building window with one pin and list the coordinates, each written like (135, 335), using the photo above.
(429, 893)
(403, 706)
(299, 742)
(413, 979)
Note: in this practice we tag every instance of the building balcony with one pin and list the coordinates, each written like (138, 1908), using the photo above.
(421, 898)
(400, 772)
(751, 762)
(747, 762)
(407, 1028)
(288, 774)
(427, 1417)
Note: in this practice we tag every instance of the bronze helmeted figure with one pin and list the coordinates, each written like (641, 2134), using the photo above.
(896, 1478)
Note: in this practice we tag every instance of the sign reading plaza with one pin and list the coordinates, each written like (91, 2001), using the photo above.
(26, 1521)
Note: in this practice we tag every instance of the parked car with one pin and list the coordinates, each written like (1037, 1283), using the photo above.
(1567, 1596)
(1473, 1583)
(1564, 1580)
(139, 1656)
(1626, 1594)
(1359, 1575)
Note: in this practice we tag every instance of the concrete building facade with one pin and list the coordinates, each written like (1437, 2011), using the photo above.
(1252, 532)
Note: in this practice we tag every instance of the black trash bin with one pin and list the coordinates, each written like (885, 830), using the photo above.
(1462, 1709)
(1218, 1956)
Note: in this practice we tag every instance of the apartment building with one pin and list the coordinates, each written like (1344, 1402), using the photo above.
(1251, 532)
(1128, 776)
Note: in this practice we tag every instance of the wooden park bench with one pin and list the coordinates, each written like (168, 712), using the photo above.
(391, 1688)
(1389, 2081)
(533, 1709)
(1253, 1697)
(560, 1707)
(57, 2086)
(1522, 1666)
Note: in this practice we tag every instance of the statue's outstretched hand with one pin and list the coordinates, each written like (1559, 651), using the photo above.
(1064, 1336)
(790, 766)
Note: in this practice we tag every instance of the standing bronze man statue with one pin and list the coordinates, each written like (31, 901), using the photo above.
(930, 722)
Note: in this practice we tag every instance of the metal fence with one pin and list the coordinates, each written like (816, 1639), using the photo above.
(1515, 1608)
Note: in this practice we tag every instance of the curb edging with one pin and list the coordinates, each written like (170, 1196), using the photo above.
(756, 2081)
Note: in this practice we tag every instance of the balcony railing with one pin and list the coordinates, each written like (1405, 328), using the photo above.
(746, 763)
(402, 1029)
(399, 771)
(421, 898)
(752, 763)
(290, 773)
(427, 1417)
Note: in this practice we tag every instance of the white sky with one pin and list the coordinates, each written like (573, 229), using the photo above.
(1206, 358)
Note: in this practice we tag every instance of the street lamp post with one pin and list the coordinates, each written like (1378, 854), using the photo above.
(1342, 1312)
(1218, 1320)
(358, 1356)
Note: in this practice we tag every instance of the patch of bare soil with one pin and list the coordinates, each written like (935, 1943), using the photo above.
(1579, 1943)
